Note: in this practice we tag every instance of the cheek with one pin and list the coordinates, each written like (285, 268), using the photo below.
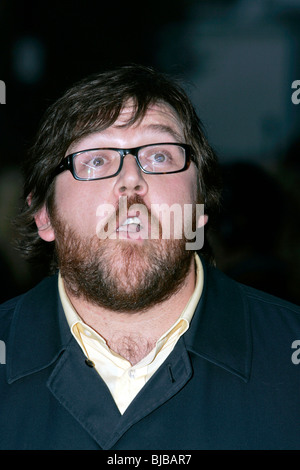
(171, 198)
(77, 204)
(181, 188)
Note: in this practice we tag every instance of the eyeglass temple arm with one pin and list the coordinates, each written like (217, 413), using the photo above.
(64, 165)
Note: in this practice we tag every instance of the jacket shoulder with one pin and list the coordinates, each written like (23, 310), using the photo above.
(234, 290)
(37, 294)
(268, 301)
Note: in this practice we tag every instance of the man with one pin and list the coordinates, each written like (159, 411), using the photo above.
(137, 341)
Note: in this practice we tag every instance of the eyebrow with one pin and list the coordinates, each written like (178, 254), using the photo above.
(159, 128)
(163, 128)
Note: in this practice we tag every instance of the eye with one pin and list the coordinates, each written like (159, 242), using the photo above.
(97, 161)
(159, 157)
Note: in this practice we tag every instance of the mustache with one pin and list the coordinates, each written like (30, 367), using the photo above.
(130, 201)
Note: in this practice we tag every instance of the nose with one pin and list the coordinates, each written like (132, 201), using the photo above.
(130, 180)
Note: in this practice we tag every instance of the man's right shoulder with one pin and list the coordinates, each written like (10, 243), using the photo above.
(7, 309)
(35, 295)
(10, 304)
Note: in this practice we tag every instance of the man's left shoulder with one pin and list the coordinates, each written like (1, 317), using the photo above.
(271, 316)
(250, 304)
(265, 301)
(233, 292)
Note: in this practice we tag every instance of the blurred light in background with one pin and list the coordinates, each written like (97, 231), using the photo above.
(28, 60)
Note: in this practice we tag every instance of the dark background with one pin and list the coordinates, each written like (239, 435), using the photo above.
(238, 59)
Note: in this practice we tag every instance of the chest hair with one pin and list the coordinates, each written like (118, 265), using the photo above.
(133, 347)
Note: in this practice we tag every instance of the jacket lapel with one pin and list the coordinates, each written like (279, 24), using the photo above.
(221, 330)
(83, 393)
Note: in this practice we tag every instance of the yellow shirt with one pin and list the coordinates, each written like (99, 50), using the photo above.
(124, 380)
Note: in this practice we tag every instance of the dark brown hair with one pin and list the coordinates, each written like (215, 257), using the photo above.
(94, 104)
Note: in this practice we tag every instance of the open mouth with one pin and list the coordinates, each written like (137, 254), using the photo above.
(131, 224)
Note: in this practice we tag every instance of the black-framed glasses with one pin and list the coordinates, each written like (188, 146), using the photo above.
(101, 163)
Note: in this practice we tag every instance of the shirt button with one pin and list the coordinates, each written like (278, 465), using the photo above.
(132, 373)
(89, 362)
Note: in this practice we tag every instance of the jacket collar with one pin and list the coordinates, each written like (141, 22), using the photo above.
(219, 332)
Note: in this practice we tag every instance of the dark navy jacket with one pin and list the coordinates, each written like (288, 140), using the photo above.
(232, 381)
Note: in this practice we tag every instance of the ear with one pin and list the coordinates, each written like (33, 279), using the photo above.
(44, 226)
(202, 220)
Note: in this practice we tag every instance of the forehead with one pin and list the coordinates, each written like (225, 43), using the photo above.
(159, 120)
(154, 112)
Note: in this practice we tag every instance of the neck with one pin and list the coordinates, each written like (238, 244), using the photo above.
(134, 335)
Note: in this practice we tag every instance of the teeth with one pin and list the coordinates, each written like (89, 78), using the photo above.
(132, 220)
(136, 224)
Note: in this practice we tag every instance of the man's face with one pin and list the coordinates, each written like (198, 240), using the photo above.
(129, 271)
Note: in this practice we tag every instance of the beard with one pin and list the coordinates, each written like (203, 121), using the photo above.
(118, 275)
